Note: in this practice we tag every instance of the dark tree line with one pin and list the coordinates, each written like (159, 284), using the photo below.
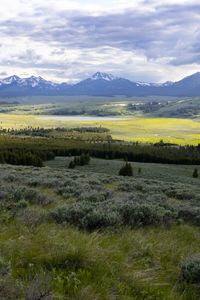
(25, 157)
(15, 149)
(81, 160)
(44, 132)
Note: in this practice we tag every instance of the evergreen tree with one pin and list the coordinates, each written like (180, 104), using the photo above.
(126, 170)
(77, 160)
(82, 159)
(87, 158)
(195, 173)
(72, 165)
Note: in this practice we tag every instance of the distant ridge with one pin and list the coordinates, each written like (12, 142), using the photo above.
(99, 84)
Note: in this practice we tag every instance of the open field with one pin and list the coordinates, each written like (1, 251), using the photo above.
(71, 234)
(143, 124)
(180, 131)
(168, 173)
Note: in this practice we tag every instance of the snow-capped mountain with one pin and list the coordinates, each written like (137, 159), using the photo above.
(167, 83)
(10, 80)
(99, 84)
(32, 81)
(103, 76)
(35, 81)
(17, 86)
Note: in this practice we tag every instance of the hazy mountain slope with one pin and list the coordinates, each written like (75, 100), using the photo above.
(100, 84)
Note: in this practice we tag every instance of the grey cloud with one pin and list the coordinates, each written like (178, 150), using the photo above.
(14, 28)
(170, 31)
(3, 74)
(29, 56)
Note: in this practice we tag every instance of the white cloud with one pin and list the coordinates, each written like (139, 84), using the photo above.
(46, 48)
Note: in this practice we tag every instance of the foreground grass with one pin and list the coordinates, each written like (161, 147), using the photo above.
(179, 131)
(38, 256)
(130, 264)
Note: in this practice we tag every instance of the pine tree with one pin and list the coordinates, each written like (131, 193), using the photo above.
(126, 170)
(72, 165)
(87, 158)
(82, 159)
(77, 160)
(195, 173)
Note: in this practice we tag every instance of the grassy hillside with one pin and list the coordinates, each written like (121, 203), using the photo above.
(181, 108)
(164, 172)
(67, 234)
(169, 107)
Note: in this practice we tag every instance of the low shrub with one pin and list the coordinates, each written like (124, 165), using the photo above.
(73, 214)
(94, 215)
(4, 267)
(180, 193)
(190, 269)
(2, 196)
(94, 196)
(31, 217)
(190, 214)
(31, 195)
(99, 219)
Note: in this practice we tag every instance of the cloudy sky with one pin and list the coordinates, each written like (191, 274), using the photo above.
(67, 40)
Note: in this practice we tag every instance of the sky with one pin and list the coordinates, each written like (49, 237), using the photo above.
(69, 40)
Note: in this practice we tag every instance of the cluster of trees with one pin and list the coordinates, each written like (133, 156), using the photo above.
(27, 131)
(17, 157)
(148, 107)
(27, 157)
(48, 148)
(83, 159)
(126, 170)
(90, 129)
(44, 132)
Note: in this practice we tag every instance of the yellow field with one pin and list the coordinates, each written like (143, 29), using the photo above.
(180, 131)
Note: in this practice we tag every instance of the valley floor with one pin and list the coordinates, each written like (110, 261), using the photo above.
(141, 129)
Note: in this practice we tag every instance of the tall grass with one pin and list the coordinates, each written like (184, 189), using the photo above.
(124, 261)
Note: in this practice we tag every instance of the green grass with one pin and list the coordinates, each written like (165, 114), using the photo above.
(86, 256)
(179, 131)
(164, 172)
(131, 264)
(109, 263)
(173, 123)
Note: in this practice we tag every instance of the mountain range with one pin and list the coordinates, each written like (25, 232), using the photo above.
(100, 84)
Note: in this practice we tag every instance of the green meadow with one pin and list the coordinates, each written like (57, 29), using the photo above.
(129, 128)
(72, 234)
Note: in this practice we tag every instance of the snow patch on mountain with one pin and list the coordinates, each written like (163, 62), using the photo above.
(103, 76)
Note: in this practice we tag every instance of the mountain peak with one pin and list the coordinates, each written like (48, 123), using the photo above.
(11, 79)
(100, 84)
(103, 76)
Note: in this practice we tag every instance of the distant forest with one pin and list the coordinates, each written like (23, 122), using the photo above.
(35, 147)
